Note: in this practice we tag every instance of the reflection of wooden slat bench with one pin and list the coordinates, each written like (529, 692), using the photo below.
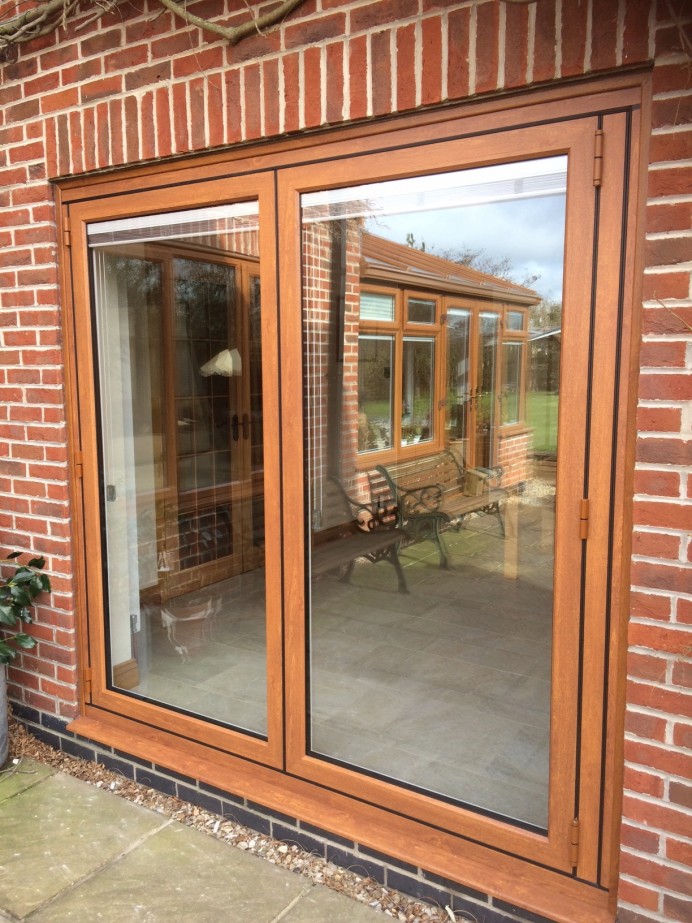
(360, 530)
(434, 491)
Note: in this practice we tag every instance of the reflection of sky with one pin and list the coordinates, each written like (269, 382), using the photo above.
(529, 232)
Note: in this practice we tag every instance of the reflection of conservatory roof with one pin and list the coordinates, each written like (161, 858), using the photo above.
(398, 263)
(543, 334)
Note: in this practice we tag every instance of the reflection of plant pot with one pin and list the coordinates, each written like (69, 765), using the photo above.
(4, 730)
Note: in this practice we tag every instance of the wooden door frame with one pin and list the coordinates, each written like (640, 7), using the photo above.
(190, 748)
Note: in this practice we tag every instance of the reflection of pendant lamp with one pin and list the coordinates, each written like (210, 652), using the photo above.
(226, 363)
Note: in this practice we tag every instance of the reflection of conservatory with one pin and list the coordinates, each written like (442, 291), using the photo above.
(441, 359)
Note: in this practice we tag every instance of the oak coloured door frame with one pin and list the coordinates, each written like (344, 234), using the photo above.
(479, 852)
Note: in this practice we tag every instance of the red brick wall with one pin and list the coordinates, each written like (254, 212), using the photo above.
(138, 86)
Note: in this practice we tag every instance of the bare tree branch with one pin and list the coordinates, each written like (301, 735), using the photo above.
(233, 34)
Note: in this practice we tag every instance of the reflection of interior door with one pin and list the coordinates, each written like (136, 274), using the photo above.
(485, 398)
(211, 492)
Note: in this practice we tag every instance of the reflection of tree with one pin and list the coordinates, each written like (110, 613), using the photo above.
(477, 258)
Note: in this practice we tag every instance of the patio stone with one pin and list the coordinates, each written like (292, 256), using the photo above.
(16, 779)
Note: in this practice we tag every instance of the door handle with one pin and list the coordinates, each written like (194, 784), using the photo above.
(246, 426)
(234, 427)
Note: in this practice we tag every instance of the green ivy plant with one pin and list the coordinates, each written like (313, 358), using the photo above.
(17, 594)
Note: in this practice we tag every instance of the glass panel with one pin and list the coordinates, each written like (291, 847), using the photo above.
(486, 393)
(511, 381)
(180, 394)
(417, 381)
(376, 307)
(445, 688)
(458, 362)
(421, 311)
(514, 320)
(375, 364)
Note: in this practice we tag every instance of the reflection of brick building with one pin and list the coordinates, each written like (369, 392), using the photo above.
(341, 262)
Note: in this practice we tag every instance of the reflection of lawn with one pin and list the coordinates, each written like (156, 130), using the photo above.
(541, 415)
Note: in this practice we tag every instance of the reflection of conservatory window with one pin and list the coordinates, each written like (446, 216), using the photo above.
(375, 412)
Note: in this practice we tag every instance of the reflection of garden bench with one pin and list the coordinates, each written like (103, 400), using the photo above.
(435, 491)
(353, 530)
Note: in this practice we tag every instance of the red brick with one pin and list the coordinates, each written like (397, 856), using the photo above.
(670, 181)
(126, 57)
(291, 92)
(679, 851)
(63, 99)
(458, 53)
(487, 39)
(23, 111)
(635, 837)
(405, 67)
(603, 35)
(662, 216)
(669, 77)
(682, 670)
(648, 727)
(663, 355)
(657, 483)
(24, 152)
(668, 251)
(516, 44)
(668, 40)
(665, 319)
(637, 894)
(335, 82)
(380, 56)
(197, 118)
(357, 64)
(636, 32)
(656, 545)
(684, 611)
(382, 12)
(573, 37)
(252, 101)
(88, 118)
(677, 908)
(667, 451)
(670, 146)
(431, 50)
(180, 118)
(146, 76)
(163, 123)
(659, 419)
(199, 61)
(673, 387)
(657, 873)
(658, 638)
(312, 87)
(666, 700)
(102, 40)
(313, 31)
(84, 70)
(671, 111)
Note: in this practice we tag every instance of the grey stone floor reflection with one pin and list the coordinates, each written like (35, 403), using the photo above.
(446, 688)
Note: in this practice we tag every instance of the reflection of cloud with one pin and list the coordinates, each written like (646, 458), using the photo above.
(528, 232)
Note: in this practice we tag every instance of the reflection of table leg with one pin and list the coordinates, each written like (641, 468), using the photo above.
(511, 517)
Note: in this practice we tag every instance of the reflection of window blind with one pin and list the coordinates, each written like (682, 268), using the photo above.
(238, 218)
(477, 186)
(376, 307)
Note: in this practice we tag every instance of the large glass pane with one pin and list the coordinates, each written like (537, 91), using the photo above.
(417, 382)
(177, 306)
(431, 549)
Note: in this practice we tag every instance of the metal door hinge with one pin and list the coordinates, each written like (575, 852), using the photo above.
(598, 158)
(78, 464)
(584, 518)
(86, 679)
(66, 235)
(574, 843)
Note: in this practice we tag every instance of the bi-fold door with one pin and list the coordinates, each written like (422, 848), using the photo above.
(337, 510)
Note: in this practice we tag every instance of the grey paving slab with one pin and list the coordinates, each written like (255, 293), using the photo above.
(56, 832)
(324, 906)
(180, 874)
(15, 779)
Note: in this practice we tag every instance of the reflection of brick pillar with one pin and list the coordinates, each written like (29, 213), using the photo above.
(513, 455)
(331, 304)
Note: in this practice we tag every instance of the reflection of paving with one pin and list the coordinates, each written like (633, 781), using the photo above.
(446, 689)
